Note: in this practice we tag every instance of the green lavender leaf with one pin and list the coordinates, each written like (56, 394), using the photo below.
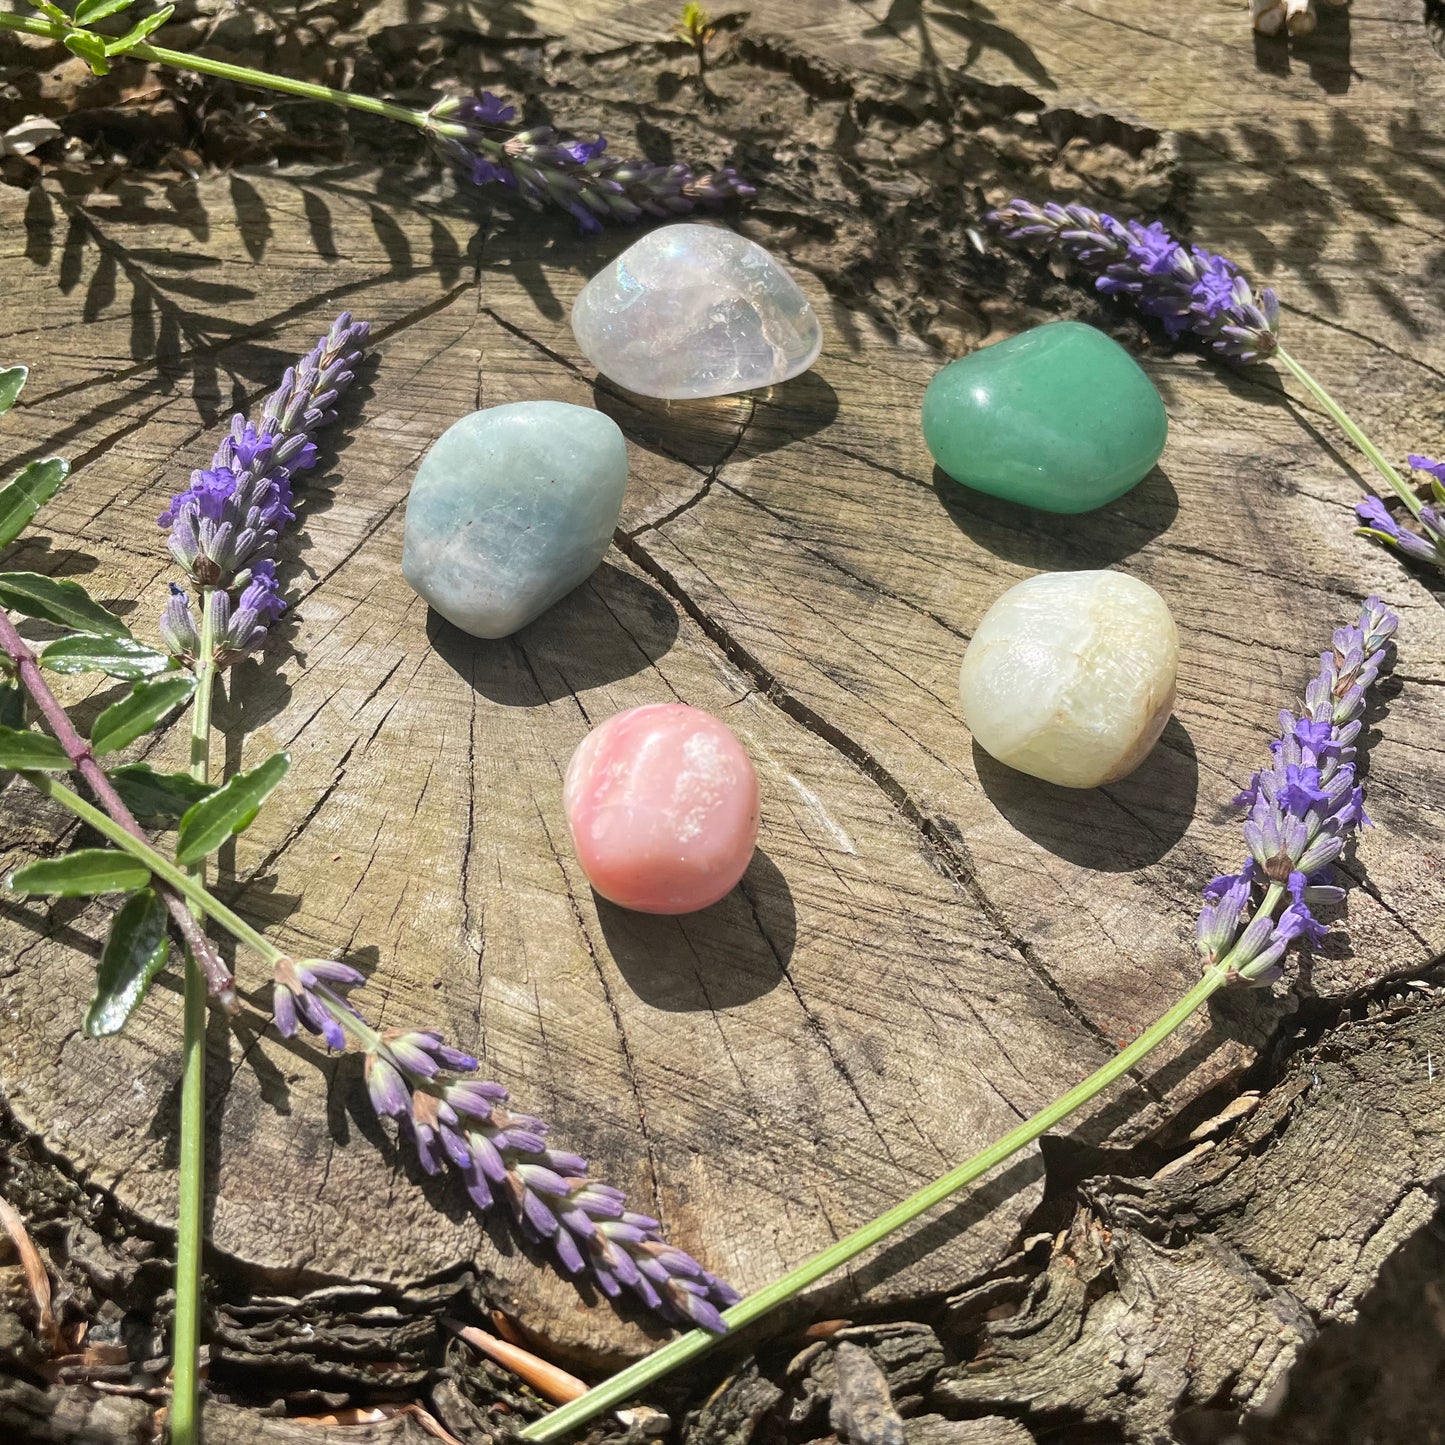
(228, 810)
(121, 657)
(90, 48)
(158, 797)
(12, 704)
(23, 748)
(89, 11)
(12, 378)
(51, 11)
(65, 603)
(140, 31)
(25, 496)
(135, 952)
(139, 711)
(82, 873)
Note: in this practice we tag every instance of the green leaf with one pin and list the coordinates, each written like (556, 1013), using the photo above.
(122, 657)
(12, 704)
(12, 378)
(51, 600)
(24, 748)
(229, 809)
(158, 797)
(90, 48)
(135, 952)
(139, 711)
(140, 31)
(30, 491)
(51, 11)
(89, 11)
(82, 873)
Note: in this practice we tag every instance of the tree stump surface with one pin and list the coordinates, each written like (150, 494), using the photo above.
(928, 947)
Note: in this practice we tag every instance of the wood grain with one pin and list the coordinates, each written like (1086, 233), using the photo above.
(927, 947)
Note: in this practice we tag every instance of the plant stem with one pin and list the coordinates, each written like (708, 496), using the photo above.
(628, 1382)
(164, 868)
(218, 977)
(191, 1216)
(243, 75)
(1341, 419)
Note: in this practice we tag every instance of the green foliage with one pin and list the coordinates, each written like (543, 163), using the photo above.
(81, 874)
(154, 797)
(12, 704)
(135, 952)
(228, 810)
(65, 603)
(695, 26)
(121, 657)
(97, 50)
(23, 749)
(12, 378)
(90, 48)
(89, 11)
(25, 496)
(139, 711)
(139, 31)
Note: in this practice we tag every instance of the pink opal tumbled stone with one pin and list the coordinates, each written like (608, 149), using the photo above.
(663, 806)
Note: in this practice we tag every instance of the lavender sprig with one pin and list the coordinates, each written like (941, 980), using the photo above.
(1426, 545)
(545, 168)
(1303, 810)
(1189, 289)
(225, 526)
(464, 1123)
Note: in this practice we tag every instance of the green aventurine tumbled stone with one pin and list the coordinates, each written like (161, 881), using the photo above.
(1060, 418)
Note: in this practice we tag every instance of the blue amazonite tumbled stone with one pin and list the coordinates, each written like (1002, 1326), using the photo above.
(1060, 417)
(511, 509)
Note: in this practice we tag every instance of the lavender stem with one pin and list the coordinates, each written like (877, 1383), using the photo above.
(1341, 419)
(191, 1201)
(219, 982)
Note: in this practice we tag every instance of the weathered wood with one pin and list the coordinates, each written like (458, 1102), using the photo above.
(928, 947)
(1183, 1299)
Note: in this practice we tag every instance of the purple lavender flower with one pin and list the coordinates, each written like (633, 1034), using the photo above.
(225, 526)
(465, 1124)
(1303, 809)
(300, 993)
(1188, 289)
(1434, 468)
(1426, 545)
(577, 175)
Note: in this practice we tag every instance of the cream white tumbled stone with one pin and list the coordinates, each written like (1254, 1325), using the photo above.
(692, 311)
(1070, 676)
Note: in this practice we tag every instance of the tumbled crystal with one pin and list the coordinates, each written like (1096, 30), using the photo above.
(663, 806)
(691, 311)
(1070, 676)
(1060, 417)
(511, 508)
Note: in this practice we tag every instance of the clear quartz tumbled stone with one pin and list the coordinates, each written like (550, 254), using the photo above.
(692, 311)
(1070, 676)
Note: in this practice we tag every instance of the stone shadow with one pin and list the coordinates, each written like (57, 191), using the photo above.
(709, 431)
(720, 957)
(612, 626)
(1051, 541)
(1325, 53)
(1116, 828)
